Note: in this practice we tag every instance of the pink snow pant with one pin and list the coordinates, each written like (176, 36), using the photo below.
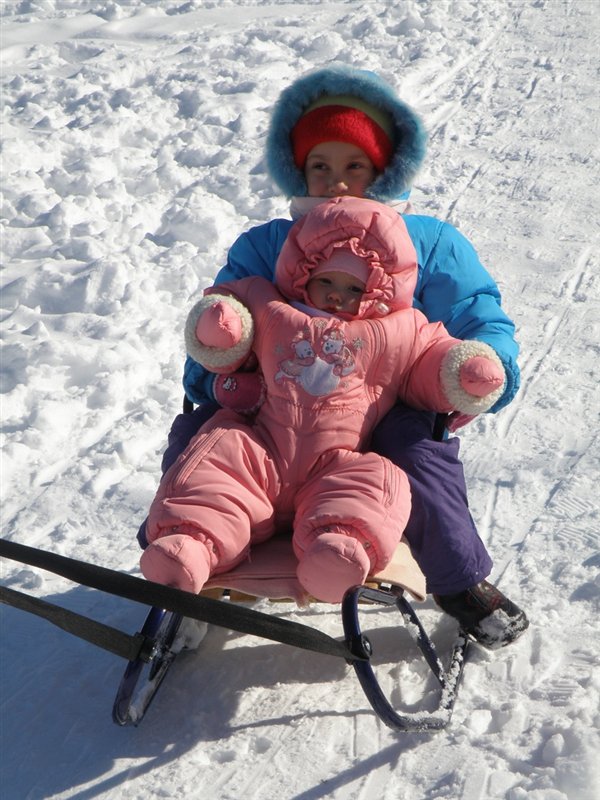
(226, 491)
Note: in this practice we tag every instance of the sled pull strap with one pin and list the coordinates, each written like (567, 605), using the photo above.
(242, 620)
(104, 636)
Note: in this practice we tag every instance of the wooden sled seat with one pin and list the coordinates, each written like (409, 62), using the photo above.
(270, 573)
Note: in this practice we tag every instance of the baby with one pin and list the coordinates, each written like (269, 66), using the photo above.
(338, 342)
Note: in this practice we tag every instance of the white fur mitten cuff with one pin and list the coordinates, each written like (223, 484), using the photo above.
(453, 385)
(219, 359)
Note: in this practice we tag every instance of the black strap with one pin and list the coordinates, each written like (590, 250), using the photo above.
(439, 427)
(216, 612)
(104, 636)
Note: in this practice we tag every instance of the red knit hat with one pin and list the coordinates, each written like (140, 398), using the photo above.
(343, 119)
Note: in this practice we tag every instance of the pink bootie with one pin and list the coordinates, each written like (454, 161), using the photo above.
(332, 564)
(177, 560)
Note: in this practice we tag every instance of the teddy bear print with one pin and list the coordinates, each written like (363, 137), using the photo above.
(335, 351)
(318, 373)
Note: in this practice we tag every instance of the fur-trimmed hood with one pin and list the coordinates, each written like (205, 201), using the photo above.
(368, 229)
(341, 79)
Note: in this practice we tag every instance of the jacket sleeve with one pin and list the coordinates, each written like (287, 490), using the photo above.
(253, 253)
(432, 380)
(454, 288)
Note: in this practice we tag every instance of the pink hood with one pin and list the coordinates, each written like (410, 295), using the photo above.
(367, 228)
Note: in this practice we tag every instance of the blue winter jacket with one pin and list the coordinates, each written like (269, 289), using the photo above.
(452, 287)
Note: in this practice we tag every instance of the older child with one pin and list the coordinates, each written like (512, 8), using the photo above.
(341, 131)
(334, 361)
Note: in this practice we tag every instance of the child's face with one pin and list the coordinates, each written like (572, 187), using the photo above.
(337, 168)
(335, 292)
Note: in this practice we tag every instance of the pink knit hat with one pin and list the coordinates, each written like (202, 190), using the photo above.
(344, 260)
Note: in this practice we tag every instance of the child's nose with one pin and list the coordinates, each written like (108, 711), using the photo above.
(338, 186)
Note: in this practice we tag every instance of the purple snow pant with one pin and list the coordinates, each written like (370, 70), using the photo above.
(440, 530)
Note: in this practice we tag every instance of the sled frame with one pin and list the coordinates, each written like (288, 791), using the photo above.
(359, 644)
(144, 676)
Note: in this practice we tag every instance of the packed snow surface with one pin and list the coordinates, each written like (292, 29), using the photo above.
(132, 156)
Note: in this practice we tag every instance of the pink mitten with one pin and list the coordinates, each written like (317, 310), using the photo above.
(479, 376)
(219, 326)
(243, 392)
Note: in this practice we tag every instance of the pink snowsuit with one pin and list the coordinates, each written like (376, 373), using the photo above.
(302, 462)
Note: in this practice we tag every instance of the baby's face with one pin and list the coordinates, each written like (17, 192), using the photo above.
(335, 292)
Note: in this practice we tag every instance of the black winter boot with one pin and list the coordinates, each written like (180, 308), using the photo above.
(485, 614)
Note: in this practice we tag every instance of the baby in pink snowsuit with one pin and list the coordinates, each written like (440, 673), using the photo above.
(331, 372)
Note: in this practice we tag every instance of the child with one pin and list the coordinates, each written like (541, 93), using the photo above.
(334, 360)
(365, 142)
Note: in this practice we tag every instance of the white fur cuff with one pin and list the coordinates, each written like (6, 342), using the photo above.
(218, 359)
(450, 377)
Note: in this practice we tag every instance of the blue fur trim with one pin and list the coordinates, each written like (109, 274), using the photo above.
(342, 79)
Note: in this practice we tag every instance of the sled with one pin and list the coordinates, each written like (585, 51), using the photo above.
(270, 574)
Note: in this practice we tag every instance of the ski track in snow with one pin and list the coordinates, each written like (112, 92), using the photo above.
(132, 158)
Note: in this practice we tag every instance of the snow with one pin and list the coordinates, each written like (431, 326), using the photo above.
(132, 137)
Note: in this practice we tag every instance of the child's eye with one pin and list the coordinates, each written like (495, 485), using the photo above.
(356, 289)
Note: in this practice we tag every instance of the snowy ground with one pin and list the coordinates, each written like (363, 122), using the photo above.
(132, 145)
